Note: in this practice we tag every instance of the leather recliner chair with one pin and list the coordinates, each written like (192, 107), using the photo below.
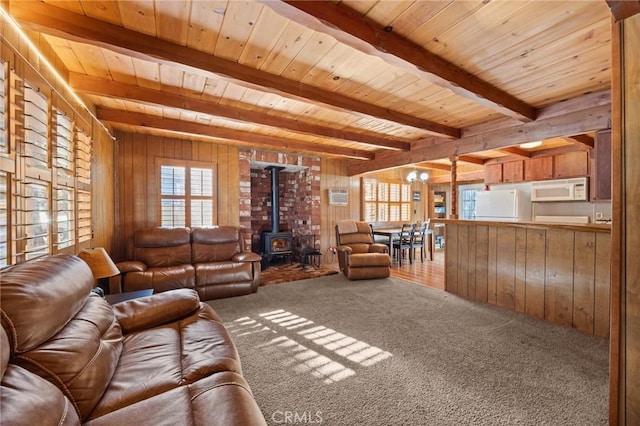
(359, 257)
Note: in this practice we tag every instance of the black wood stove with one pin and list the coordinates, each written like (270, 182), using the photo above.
(274, 243)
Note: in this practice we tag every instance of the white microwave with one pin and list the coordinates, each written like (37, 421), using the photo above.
(560, 190)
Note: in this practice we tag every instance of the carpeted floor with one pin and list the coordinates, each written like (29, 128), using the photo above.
(387, 352)
(285, 272)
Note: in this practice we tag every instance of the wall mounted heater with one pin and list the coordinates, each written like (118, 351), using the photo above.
(338, 197)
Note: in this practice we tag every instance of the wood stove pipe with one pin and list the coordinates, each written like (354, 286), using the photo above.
(275, 197)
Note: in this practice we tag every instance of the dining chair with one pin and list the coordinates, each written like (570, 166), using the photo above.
(420, 239)
(404, 242)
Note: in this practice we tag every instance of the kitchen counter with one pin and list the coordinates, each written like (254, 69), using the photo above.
(556, 272)
(595, 227)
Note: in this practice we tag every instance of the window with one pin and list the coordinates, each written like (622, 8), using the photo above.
(33, 227)
(468, 197)
(36, 142)
(3, 109)
(45, 172)
(186, 194)
(4, 220)
(64, 206)
(386, 201)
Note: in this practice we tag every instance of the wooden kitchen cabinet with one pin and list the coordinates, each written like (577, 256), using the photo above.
(492, 173)
(540, 168)
(601, 176)
(513, 171)
(571, 164)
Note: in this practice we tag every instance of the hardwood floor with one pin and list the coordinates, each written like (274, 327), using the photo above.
(429, 272)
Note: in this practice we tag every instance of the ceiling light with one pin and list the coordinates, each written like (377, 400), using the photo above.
(534, 144)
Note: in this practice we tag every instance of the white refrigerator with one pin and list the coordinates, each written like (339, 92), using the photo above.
(503, 205)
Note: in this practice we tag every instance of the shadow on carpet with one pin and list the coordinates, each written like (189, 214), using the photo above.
(282, 273)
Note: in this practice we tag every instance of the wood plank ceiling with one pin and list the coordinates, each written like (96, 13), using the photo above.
(382, 83)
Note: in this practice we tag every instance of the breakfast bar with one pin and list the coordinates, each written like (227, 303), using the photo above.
(556, 272)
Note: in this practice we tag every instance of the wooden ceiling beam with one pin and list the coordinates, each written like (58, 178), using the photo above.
(190, 128)
(516, 151)
(583, 139)
(369, 37)
(581, 121)
(59, 22)
(434, 166)
(472, 159)
(103, 87)
(623, 9)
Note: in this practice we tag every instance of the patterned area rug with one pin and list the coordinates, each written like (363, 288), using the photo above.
(282, 273)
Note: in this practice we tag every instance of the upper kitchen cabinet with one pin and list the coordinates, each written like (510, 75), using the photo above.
(493, 173)
(601, 172)
(513, 171)
(539, 168)
(571, 164)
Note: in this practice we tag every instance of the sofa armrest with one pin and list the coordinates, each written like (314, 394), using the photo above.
(344, 249)
(152, 311)
(246, 257)
(378, 248)
(131, 266)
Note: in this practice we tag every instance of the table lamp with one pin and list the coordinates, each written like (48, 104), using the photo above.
(101, 266)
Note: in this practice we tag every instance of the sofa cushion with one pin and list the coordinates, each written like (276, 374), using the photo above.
(365, 260)
(64, 281)
(151, 311)
(222, 399)
(223, 272)
(27, 399)
(215, 244)
(82, 357)
(157, 360)
(161, 278)
(163, 246)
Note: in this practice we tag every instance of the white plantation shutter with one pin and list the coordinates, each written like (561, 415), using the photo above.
(186, 194)
(385, 201)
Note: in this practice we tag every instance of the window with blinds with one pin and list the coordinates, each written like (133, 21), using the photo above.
(4, 219)
(33, 224)
(36, 141)
(45, 188)
(63, 153)
(386, 201)
(83, 156)
(4, 145)
(186, 194)
(84, 215)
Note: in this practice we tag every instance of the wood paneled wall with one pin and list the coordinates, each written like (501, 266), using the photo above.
(557, 274)
(103, 198)
(137, 187)
(624, 372)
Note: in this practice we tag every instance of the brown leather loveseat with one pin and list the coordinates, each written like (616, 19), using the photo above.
(70, 358)
(213, 261)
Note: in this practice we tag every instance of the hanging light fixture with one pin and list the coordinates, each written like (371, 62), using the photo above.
(413, 176)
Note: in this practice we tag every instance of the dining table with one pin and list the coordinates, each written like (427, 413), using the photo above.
(393, 234)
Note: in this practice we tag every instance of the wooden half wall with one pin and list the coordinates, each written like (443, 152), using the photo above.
(556, 273)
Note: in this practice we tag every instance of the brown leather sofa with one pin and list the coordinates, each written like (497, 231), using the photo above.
(213, 261)
(359, 258)
(70, 358)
